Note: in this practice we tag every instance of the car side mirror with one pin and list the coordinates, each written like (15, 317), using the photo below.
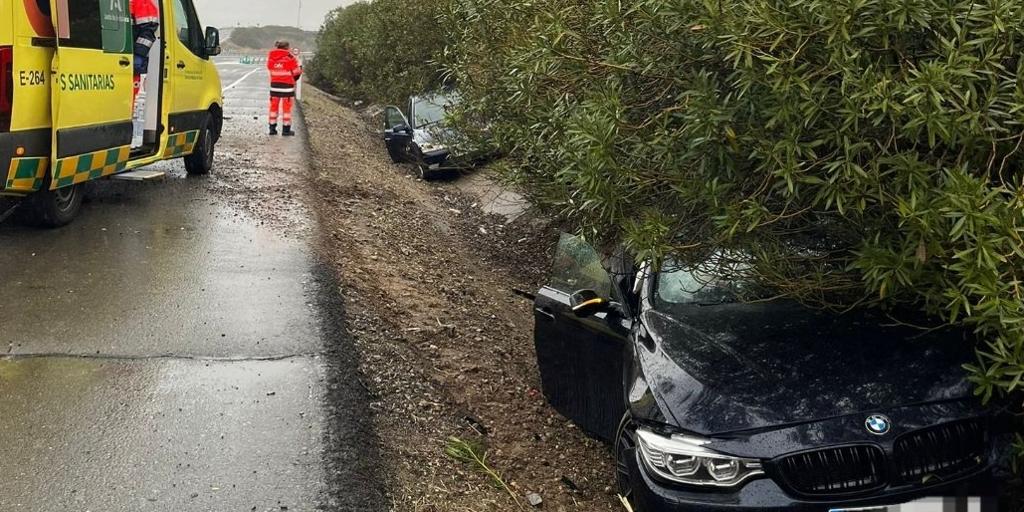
(212, 41)
(587, 303)
(401, 128)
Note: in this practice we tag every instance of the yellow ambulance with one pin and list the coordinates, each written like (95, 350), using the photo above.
(68, 113)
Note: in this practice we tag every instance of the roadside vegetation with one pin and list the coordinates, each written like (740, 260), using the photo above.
(855, 154)
(380, 52)
(474, 455)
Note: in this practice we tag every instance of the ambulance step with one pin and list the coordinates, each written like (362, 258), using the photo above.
(140, 175)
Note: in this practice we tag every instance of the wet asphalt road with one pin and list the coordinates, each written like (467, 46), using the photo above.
(167, 351)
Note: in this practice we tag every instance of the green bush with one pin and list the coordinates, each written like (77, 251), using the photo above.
(863, 152)
(381, 51)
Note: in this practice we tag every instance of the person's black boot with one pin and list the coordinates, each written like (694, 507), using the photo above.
(273, 129)
(287, 131)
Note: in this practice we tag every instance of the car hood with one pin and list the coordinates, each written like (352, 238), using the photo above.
(735, 367)
(433, 134)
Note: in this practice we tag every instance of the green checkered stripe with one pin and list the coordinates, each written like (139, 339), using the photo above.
(90, 166)
(180, 144)
(26, 174)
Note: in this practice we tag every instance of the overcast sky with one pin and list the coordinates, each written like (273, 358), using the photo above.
(231, 13)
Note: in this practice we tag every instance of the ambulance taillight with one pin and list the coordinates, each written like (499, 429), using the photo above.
(6, 87)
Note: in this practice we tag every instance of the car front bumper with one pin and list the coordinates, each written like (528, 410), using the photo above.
(443, 159)
(438, 160)
(764, 495)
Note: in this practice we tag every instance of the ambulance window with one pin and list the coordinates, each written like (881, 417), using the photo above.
(96, 24)
(187, 26)
(85, 29)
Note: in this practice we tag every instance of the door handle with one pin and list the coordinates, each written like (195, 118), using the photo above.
(124, 62)
(545, 312)
(181, 64)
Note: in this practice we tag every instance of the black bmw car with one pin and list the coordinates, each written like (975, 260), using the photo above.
(722, 405)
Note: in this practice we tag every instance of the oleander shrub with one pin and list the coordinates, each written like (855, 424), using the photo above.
(860, 152)
(380, 51)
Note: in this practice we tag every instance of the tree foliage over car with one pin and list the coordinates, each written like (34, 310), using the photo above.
(860, 152)
(381, 51)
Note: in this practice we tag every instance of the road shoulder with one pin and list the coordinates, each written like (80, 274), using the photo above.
(445, 346)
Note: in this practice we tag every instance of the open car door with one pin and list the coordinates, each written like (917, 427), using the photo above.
(92, 90)
(581, 359)
(397, 134)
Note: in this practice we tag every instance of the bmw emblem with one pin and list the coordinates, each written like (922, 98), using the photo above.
(878, 424)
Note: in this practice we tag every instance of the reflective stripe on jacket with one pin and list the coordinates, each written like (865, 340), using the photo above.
(145, 25)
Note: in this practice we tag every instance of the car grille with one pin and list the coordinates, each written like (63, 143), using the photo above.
(922, 457)
(941, 452)
(834, 471)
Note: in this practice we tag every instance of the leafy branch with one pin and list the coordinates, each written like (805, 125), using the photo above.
(474, 454)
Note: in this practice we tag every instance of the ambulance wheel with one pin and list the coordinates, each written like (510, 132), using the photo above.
(201, 160)
(55, 208)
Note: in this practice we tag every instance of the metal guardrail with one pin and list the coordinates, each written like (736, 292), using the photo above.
(256, 60)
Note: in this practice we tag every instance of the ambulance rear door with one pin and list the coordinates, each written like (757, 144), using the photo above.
(92, 90)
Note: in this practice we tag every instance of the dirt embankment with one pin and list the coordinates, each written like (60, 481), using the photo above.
(445, 345)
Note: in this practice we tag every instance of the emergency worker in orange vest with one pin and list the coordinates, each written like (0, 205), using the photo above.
(145, 23)
(285, 70)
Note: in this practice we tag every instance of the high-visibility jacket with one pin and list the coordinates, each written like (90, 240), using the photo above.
(146, 22)
(145, 11)
(284, 71)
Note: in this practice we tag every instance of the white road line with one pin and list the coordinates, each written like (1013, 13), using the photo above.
(240, 80)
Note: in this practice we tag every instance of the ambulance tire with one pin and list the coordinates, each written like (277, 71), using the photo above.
(54, 208)
(200, 162)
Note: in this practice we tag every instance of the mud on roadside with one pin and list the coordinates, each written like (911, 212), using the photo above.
(445, 345)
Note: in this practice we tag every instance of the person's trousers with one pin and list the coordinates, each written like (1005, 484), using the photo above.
(284, 105)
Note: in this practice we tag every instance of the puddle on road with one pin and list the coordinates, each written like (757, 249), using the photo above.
(160, 435)
(161, 260)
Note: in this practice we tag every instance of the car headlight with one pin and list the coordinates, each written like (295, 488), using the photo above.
(686, 460)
